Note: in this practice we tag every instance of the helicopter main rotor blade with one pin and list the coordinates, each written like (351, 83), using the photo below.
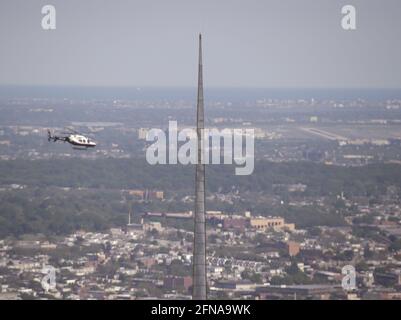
(71, 130)
(86, 134)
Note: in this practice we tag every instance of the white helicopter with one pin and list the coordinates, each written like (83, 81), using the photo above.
(77, 140)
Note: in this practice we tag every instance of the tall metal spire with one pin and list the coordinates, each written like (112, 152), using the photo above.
(199, 255)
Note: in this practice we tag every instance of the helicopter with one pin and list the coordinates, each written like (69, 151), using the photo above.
(76, 139)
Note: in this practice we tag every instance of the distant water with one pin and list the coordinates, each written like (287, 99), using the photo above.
(212, 94)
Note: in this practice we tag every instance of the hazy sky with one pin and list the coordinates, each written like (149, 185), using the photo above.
(263, 43)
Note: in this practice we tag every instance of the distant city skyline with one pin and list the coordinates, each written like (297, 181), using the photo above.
(264, 44)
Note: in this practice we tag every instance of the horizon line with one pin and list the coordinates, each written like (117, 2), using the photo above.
(194, 87)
